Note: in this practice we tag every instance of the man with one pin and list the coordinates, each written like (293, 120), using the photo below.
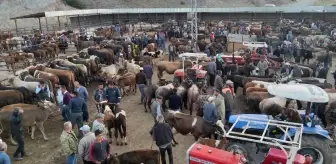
(220, 105)
(218, 84)
(59, 98)
(69, 143)
(296, 72)
(210, 116)
(172, 52)
(212, 71)
(83, 93)
(263, 66)
(99, 96)
(99, 124)
(148, 70)
(16, 129)
(228, 99)
(163, 136)
(140, 80)
(4, 158)
(113, 94)
(99, 151)
(175, 101)
(212, 37)
(322, 72)
(66, 112)
(156, 107)
(84, 144)
(42, 91)
(77, 107)
(253, 37)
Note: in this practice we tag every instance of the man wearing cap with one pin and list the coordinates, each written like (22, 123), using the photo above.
(42, 91)
(69, 143)
(84, 144)
(99, 124)
(99, 150)
(140, 80)
(16, 129)
(262, 65)
(220, 105)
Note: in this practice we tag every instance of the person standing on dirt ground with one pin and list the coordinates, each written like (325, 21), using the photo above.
(17, 132)
(4, 158)
(84, 144)
(66, 111)
(99, 151)
(175, 101)
(59, 98)
(112, 95)
(83, 93)
(163, 136)
(156, 110)
(99, 96)
(99, 124)
(172, 52)
(220, 105)
(212, 71)
(141, 81)
(69, 143)
(148, 70)
(77, 107)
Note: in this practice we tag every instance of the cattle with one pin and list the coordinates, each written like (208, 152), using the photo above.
(219, 144)
(47, 76)
(255, 89)
(111, 71)
(149, 95)
(193, 93)
(136, 157)
(185, 124)
(272, 106)
(254, 98)
(84, 44)
(164, 92)
(127, 79)
(80, 69)
(66, 77)
(170, 67)
(90, 64)
(34, 115)
(119, 123)
(27, 95)
(105, 55)
(131, 67)
(254, 84)
(16, 82)
(8, 97)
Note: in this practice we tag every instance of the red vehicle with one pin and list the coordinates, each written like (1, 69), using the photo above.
(198, 70)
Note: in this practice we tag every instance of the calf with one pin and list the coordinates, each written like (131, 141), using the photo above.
(136, 157)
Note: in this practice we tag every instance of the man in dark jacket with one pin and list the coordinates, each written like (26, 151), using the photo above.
(148, 70)
(17, 132)
(212, 71)
(140, 80)
(172, 52)
(175, 101)
(277, 52)
(322, 72)
(42, 91)
(99, 96)
(112, 94)
(66, 113)
(163, 137)
(77, 106)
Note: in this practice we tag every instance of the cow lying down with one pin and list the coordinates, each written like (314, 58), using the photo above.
(136, 157)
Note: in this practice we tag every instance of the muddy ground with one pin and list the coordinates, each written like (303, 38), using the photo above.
(138, 125)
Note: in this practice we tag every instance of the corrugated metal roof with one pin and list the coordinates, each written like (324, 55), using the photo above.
(186, 10)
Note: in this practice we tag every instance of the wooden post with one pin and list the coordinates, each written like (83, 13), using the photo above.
(39, 19)
(16, 28)
(100, 20)
(46, 20)
(59, 23)
(79, 25)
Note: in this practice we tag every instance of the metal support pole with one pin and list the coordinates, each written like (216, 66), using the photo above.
(194, 28)
(16, 28)
(100, 20)
(39, 19)
(79, 25)
(59, 23)
(46, 20)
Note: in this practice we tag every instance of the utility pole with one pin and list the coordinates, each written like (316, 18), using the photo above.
(194, 27)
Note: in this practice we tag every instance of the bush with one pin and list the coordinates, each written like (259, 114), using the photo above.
(78, 4)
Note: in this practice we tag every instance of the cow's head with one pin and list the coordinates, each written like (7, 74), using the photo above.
(49, 106)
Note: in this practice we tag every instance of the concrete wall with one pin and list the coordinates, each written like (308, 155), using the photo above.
(106, 20)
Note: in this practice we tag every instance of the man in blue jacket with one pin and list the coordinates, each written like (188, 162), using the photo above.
(77, 106)
(175, 101)
(83, 93)
(148, 70)
(112, 94)
(210, 117)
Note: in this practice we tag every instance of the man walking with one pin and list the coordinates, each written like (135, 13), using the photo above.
(83, 93)
(69, 143)
(77, 107)
(84, 144)
(140, 80)
(17, 132)
(148, 70)
(172, 52)
(163, 136)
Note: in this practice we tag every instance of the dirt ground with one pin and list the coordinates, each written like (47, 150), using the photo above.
(138, 125)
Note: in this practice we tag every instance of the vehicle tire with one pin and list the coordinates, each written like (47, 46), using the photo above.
(240, 148)
(316, 147)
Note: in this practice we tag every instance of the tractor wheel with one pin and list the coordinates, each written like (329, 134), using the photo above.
(317, 147)
(240, 149)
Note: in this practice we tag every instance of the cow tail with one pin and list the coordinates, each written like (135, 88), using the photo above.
(1, 128)
(21, 99)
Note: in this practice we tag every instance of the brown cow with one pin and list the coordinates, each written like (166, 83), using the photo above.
(255, 89)
(127, 79)
(8, 97)
(47, 76)
(51, 52)
(219, 144)
(151, 47)
(34, 115)
(66, 77)
(170, 67)
(254, 98)
(252, 84)
(136, 157)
